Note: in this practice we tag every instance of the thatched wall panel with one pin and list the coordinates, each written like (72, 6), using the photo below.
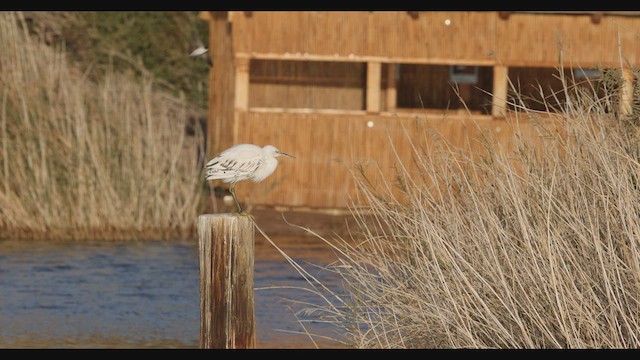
(522, 39)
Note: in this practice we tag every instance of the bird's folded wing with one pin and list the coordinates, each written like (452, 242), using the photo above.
(236, 165)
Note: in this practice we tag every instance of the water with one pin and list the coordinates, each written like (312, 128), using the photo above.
(141, 294)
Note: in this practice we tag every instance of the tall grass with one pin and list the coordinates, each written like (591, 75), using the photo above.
(83, 159)
(537, 247)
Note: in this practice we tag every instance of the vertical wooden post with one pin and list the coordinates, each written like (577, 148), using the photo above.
(626, 95)
(242, 84)
(221, 83)
(241, 96)
(392, 91)
(500, 85)
(374, 76)
(227, 318)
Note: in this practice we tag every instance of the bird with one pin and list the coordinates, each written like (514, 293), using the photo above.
(199, 51)
(203, 52)
(243, 162)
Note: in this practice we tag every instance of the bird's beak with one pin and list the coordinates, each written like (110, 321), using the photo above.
(285, 154)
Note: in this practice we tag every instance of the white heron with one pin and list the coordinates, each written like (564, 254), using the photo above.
(243, 162)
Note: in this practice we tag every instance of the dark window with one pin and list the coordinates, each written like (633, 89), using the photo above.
(437, 87)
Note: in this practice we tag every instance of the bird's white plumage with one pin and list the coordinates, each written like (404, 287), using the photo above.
(240, 162)
(243, 162)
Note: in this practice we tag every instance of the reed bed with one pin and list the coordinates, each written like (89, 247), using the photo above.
(91, 159)
(537, 247)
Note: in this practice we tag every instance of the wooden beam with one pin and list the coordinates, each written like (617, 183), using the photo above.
(315, 79)
(392, 91)
(374, 75)
(306, 111)
(226, 253)
(221, 84)
(242, 84)
(500, 85)
(214, 121)
(356, 113)
(413, 60)
(357, 58)
(626, 95)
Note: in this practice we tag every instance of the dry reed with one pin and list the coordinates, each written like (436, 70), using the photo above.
(536, 247)
(81, 159)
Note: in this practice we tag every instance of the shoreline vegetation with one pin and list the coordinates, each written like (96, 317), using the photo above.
(118, 157)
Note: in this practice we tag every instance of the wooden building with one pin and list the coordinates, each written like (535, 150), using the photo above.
(334, 88)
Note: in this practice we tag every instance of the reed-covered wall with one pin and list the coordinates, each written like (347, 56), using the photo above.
(327, 146)
(307, 84)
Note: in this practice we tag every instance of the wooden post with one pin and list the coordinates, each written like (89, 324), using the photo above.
(626, 96)
(227, 318)
(500, 85)
(241, 98)
(392, 91)
(374, 75)
(242, 84)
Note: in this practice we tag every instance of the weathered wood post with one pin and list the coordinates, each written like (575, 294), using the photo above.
(227, 318)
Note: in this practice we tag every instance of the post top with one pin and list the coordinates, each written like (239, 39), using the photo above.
(225, 217)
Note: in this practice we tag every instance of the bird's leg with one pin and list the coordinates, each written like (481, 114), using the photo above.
(232, 190)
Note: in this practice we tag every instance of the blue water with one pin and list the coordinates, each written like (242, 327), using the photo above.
(139, 294)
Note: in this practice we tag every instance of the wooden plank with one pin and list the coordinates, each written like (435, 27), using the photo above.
(226, 253)
(500, 85)
(374, 74)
